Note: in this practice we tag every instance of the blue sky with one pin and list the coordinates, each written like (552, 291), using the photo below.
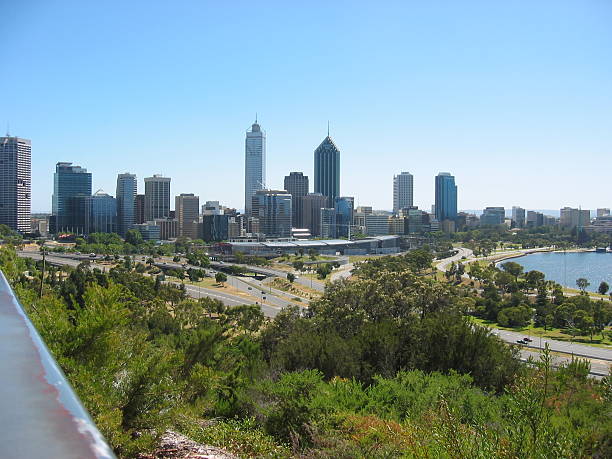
(513, 98)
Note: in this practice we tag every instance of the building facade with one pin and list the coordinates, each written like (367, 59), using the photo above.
(493, 216)
(518, 217)
(71, 199)
(273, 209)
(254, 164)
(574, 218)
(327, 169)
(215, 228)
(103, 213)
(157, 197)
(328, 223)
(312, 204)
(403, 187)
(446, 197)
(296, 184)
(15, 183)
(187, 208)
(127, 187)
(345, 207)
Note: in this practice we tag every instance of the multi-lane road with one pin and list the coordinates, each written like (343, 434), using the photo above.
(272, 301)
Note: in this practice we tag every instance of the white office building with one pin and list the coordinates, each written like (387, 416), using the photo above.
(402, 191)
(254, 164)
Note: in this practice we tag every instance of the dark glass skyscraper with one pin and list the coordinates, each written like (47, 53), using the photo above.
(345, 206)
(296, 184)
(15, 182)
(327, 169)
(446, 197)
(126, 202)
(71, 201)
(103, 213)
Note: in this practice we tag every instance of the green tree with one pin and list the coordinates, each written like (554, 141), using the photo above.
(134, 237)
(291, 277)
(220, 278)
(603, 288)
(582, 284)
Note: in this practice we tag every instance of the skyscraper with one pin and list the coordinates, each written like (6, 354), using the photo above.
(127, 187)
(518, 216)
(187, 208)
(446, 197)
(103, 213)
(402, 191)
(254, 164)
(345, 206)
(157, 197)
(15, 183)
(139, 209)
(273, 209)
(312, 204)
(71, 201)
(296, 184)
(328, 223)
(327, 169)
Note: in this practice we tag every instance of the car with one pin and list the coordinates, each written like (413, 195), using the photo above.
(520, 341)
(250, 288)
(527, 339)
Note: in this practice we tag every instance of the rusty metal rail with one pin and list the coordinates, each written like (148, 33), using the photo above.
(40, 415)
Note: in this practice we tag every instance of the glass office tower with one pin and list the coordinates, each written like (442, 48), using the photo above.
(446, 197)
(71, 201)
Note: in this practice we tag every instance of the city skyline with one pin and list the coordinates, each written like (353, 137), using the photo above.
(480, 100)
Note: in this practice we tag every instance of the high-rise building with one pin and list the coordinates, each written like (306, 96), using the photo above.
(518, 217)
(345, 206)
(446, 197)
(493, 216)
(103, 213)
(328, 223)
(127, 187)
(187, 208)
(212, 208)
(296, 184)
(312, 204)
(534, 219)
(377, 224)
(215, 228)
(139, 215)
(572, 218)
(273, 209)
(402, 191)
(15, 183)
(157, 197)
(327, 169)
(71, 201)
(254, 164)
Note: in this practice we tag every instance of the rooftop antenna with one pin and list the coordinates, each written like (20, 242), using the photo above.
(7, 129)
(327, 128)
(255, 117)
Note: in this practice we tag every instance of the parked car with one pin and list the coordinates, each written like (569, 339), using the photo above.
(520, 341)
(527, 339)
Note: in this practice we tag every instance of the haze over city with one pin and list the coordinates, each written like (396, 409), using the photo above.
(513, 100)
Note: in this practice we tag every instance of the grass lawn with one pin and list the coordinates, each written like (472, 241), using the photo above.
(211, 283)
(554, 333)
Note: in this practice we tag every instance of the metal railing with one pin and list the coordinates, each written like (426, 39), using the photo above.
(40, 415)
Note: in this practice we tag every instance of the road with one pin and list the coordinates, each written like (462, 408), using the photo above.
(461, 253)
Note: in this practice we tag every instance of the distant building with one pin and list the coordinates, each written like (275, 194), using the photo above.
(377, 224)
(327, 169)
(215, 228)
(328, 223)
(534, 219)
(296, 184)
(344, 215)
(15, 183)
(168, 228)
(273, 209)
(139, 215)
(212, 208)
(103, 213)
(446, 197)
(127, 187)
(312, 204)
(603, 212)
(149, 231)
(71, 199)
(402, 191)
(397, 224)
(187, 208)
(492, 216)
(571, 218)
(254, 164)
(518, 217)
(418, 222)
(157, 197)
(601, 224)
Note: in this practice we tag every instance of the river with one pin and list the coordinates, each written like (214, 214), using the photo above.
(565, 268)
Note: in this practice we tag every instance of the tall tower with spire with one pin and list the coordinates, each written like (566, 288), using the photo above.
(327, 169)
(254, 164)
